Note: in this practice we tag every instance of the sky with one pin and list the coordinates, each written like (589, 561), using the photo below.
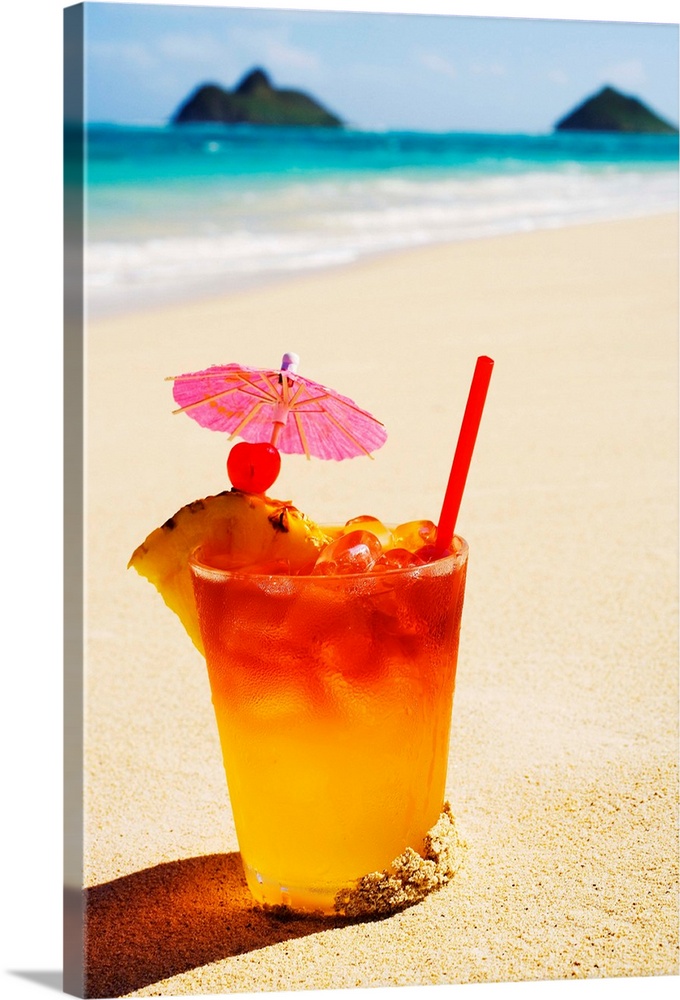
(438, 72)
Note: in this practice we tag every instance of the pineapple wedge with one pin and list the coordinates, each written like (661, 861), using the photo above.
(242, 530)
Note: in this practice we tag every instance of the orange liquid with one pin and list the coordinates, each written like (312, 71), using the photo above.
(333, 701)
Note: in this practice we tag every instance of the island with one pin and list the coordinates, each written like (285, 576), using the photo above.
(256, 101)
(611, 111)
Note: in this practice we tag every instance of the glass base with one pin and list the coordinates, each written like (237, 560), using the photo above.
(299, 899)
(407, 880)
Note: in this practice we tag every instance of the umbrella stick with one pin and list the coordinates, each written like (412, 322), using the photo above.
(463, 454)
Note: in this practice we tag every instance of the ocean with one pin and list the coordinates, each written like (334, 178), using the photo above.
(174, 212)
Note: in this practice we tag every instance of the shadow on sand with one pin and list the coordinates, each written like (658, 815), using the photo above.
(51, 979)
(165, 920)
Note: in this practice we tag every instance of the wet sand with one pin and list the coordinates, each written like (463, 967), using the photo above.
(563, 759)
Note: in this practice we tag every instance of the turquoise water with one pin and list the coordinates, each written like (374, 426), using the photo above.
(175, 211)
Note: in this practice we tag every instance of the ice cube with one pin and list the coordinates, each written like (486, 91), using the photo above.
(366, 522)
(397, 559)
(413, 535)
(355, 552)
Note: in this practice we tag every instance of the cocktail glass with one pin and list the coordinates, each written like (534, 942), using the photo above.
(333, 698)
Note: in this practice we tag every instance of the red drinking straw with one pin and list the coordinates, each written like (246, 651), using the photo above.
(463, 453)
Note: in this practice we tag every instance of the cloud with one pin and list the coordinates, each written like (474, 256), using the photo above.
(436, 63)
(558, 76)
(625, 74)
(158, 55)
(291, 57)
(190, 48)
(206, 53)
(272, 47)
(487, 69)
(134, 55)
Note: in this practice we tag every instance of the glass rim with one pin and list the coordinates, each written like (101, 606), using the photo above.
(444, 564)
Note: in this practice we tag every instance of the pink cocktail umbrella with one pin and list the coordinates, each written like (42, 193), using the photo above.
(297, 415)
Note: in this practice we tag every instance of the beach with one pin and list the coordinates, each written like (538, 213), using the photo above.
(564, 746)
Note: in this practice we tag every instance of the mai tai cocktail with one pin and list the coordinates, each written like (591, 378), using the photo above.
(333, 697)
(331, 653)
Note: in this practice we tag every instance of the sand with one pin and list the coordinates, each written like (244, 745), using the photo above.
(563, 759)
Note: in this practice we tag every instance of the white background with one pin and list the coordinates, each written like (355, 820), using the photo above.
(31, 846)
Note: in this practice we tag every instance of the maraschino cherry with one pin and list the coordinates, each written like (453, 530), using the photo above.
(252, 468)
